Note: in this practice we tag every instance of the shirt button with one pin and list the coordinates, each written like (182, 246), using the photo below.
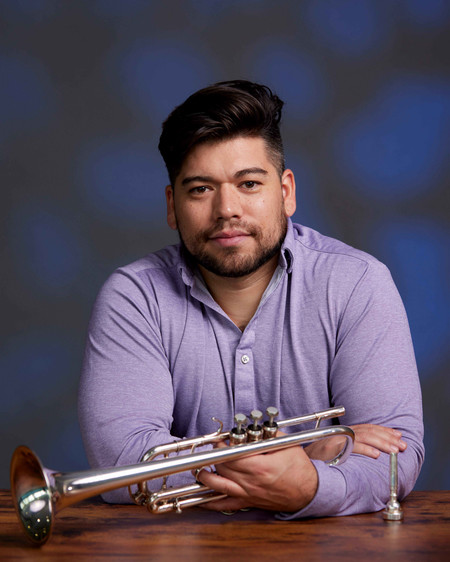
(245, 359)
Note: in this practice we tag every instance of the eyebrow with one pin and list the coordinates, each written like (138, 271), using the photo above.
(190, 179)
(250, 171)
(237, 175)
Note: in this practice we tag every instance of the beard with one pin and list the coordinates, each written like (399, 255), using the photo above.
(233, 261)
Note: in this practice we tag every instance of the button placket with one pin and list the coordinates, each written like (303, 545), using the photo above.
(244, 383)
(245, 380)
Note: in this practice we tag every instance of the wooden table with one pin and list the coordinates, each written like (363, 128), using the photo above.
(92, 530)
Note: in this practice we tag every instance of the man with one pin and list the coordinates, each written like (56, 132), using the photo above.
(250, 310)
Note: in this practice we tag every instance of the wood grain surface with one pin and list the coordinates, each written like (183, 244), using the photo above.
(93, 530)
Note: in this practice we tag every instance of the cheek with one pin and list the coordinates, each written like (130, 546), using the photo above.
(260, 207)
(190, 219)
(267, 209)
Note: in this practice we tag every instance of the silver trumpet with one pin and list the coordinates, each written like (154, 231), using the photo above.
(39, 493)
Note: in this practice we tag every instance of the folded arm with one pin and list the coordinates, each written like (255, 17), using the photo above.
(271, 481)
(374, 376)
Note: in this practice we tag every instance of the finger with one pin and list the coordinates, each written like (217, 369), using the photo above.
(372, 452)
(366, 450)
(220, 484)
(383, 438)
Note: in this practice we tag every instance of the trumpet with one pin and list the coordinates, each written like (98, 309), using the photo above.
(38, 493)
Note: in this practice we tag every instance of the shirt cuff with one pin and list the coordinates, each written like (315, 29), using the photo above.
(329, 497)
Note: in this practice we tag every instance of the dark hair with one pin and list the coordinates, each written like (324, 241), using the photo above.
(220, 112)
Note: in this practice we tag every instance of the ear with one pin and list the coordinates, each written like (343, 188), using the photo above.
(288, 189)
(171, 218)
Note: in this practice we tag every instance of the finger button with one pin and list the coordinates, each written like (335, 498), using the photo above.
(254, 430)
(240, 420)
(238, 434)
(270, 426)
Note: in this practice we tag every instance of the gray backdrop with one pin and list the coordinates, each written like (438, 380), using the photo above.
(84, 88)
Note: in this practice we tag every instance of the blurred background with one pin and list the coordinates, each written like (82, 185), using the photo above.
(84, 88)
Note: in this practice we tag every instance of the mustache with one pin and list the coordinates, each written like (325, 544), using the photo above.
(242, 226)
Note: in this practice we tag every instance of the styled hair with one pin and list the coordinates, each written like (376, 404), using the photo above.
(221, 112)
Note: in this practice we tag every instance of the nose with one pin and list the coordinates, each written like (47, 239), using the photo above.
(227, 202)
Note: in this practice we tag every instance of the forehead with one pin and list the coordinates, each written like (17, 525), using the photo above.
(227, 156)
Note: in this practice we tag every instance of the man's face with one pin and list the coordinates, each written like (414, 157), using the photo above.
(230, 205)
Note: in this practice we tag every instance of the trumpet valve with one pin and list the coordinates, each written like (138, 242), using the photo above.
(270, 427)
(238, 434)
(255, 430)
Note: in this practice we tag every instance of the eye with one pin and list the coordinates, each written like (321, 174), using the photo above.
(198, 190)
(250, 184)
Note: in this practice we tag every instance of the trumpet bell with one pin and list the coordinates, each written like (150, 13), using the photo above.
(31, 495)
(39, 493)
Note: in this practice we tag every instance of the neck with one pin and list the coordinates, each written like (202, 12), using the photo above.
(239, 297)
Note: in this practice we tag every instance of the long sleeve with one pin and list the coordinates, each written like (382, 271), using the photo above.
(126, 397)
(374, 375)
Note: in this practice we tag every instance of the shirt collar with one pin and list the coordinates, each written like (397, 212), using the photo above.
(186, 269)
(287, 249)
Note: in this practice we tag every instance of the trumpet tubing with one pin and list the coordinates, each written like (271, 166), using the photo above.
(39, 493)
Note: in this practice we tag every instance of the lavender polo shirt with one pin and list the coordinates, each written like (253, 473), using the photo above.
(162, 358)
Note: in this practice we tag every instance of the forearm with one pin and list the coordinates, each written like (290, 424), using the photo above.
(361, 484)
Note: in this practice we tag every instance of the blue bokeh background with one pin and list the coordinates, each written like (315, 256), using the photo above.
(84, 88)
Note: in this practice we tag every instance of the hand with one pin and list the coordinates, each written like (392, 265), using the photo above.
(370, 440)
(280, 481)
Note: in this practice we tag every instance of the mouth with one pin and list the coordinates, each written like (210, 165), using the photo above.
(227, 238)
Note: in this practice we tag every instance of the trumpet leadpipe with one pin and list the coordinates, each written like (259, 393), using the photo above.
(39, 493)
